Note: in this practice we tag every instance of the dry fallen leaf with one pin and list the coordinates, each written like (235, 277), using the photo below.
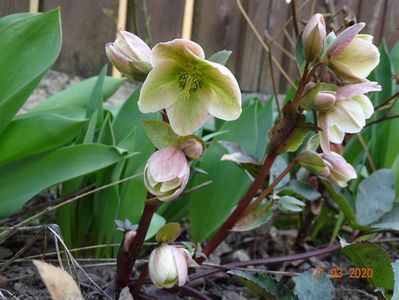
(59, 283)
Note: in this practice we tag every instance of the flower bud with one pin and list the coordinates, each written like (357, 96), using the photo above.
(192, 148)
(130, 55)
(313, 36)
(166, 173)
(313, 162)
(324, 101)
(128, 239)
(340, 171)
(168, 265)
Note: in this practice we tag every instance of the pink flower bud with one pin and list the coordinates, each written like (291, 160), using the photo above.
(313, 36)
(192, 148)
(168, 265)
(166, 173)
(128, 239)
(313, 162)
(324, 101)
(340, 171)
(130, 55)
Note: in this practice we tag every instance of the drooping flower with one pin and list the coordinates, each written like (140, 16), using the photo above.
(189, 87)
(166, 173)
(130, 55)
(348, 115)
(168, 265)
(330, 165)
(313, 36)
(353, 56)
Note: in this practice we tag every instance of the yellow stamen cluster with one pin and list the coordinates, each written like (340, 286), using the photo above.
(191, 80)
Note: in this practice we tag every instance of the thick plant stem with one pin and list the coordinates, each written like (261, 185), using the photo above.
(126, 260)
(242, 205)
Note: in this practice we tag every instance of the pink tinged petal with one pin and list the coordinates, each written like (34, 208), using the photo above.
(178, 191)
(161, 266)
(161, 88)
(313, 35)
(347, 116)
(322, 122)
(365, 104)
(351, 90)
(179, 50)
(222, 94)
(340, 171)
(137, 48)
(187, 115)
(344, 39)
(314, 21)
(167, 164)
(181, 265)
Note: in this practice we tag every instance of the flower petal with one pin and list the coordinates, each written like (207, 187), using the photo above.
(350, 90)
(223, 96)
(366, 105)
(137, 48)
(179, 50)
(347, 116)
(335, 135)
(186, 115)
(181, 265)
(160, 89)
(166, 164)
(344, 39)
(322, 122)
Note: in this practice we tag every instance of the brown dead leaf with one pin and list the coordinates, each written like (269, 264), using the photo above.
(59, 283)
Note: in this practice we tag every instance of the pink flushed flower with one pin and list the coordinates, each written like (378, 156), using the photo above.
(166, 173)
(189, 87)
(168, 265)
(313, 36)
(329, 165)
(348, 115)
(353, 56)
(130, 55)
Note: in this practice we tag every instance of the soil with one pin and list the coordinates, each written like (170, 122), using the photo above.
(19, 278)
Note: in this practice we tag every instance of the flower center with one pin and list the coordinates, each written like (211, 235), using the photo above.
(191, 80)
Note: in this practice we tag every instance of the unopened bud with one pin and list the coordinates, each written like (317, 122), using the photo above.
(192, 148)
(166, 173)
(130, 55)
(324, 101)
(313, 36)
(128, 239)
(168, 265)
(340, 171)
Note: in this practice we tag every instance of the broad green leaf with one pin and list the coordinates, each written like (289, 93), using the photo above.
(395, 268)
(35, 134)
(395, 171)
(10, 19)
(309, 287)
(96, 98)
(168, 233)
(375, 196)
(368, 255)
(301, 190)
(156, 223)
(290, 204)
(220, 57)
(78, 95)
(277, 168)
(259, 216)
(23, 179)
(389, 221)
(160, 134)
(28, 48)
(395, 57)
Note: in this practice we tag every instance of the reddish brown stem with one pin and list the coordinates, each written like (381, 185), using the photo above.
(125, 260)
(242, 205)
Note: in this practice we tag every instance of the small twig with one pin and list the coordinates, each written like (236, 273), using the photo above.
(382, 120)
(194, 293)
(294, 18)
(366, 150)
(381, 105)
(140, 281)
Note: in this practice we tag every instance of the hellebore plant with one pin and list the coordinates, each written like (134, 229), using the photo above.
(188, 88)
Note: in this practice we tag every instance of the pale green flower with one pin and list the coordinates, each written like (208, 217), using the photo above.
(189, 87)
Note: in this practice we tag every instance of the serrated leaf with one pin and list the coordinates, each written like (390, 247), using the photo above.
(369, 255)
(220, 57)
(307, 287)
(375, 197)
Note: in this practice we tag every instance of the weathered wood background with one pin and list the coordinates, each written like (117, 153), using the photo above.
(217, 24)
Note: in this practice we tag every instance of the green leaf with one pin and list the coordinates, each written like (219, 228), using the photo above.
(28, 48)
(168, 233)
(254, 219)
(395, 268)
(289, 204)
(264, 287)
(220, 57)
(375, 196)
(307, 287)
(368, 255)
(390, 220)
(277, 168)
(29, 135)
(157, 222)
(301, 190)
(23, 179)
(299, 55)
(78, 95)
(160, 134)
(395, 57)
(96, 97)
(395, 171)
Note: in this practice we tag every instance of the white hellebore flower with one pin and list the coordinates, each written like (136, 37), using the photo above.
(166, 173)
(189, 87)
(130, 55)
(348, 115)
(168, 265)
(353, 56)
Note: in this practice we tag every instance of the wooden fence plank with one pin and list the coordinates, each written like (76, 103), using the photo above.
(13, 6)
(87, 26)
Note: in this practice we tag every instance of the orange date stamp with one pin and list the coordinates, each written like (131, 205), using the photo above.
(341, 272)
